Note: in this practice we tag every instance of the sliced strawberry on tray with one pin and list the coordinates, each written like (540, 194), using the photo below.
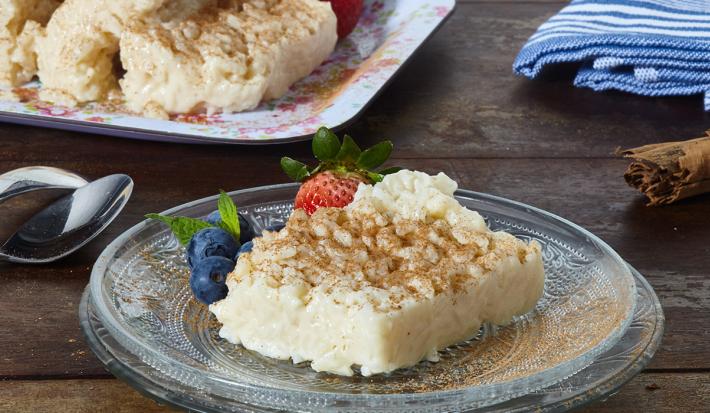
(343, 166)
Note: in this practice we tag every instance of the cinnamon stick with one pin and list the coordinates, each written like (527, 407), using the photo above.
(670, 171)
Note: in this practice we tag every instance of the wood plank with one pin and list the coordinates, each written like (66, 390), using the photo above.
(75, 396)
(456, 98)
(654, 392)
(668, 244)
(659, 393)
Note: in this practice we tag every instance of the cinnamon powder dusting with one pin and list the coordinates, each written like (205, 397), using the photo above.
(361, 249)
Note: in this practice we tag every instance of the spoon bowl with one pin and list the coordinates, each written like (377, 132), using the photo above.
(69, 223)
(32, 178)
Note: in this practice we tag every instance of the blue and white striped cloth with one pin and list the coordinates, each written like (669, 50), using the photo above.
(648, 47)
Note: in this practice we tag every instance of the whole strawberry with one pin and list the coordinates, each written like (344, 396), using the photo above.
(348, 13)
(343, 166)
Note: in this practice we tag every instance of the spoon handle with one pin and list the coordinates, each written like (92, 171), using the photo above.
(32, 178)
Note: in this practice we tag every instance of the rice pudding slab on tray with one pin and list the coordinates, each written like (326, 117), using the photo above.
(202, 71)
(21, 23)
(188, 56)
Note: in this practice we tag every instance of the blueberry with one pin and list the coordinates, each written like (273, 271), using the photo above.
(210, 242)
(213, 218)
(246, 247)
(208, 279)
(275, 227)
(246, 232)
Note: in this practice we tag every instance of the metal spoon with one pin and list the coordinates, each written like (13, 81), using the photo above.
(69, 223)
(31, 178)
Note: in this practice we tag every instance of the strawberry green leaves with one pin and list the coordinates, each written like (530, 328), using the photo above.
(185, 227)
(392, 170)
(298, 171)
(349, 151)
(380, 175)
(325, 145)
(342, 157)
(375, 156)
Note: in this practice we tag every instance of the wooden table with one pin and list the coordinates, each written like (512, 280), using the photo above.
(456, 108)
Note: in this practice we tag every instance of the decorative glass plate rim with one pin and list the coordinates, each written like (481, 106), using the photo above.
(128, 369)
(167, 134)
(560, 371)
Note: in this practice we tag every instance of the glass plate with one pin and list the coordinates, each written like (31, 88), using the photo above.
(603, 377)
(140, 295)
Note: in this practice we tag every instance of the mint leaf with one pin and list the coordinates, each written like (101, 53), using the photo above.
(294, 169)
(388, 171)
(375, 156)
(183, 227)
(228, 213)
(325, 144)
(349, 151)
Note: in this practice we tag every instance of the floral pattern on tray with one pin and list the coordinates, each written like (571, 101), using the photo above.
(387, 34)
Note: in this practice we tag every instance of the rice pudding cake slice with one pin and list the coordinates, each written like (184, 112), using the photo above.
(401, 273)
(21, 22)
(224, 59)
